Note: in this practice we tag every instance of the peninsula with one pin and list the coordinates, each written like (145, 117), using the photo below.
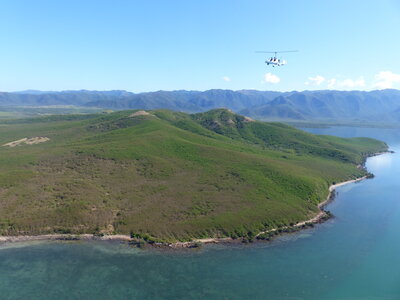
(165, 176)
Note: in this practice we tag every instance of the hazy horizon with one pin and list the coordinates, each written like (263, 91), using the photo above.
(178, 90)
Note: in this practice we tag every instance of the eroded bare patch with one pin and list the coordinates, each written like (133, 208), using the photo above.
(139, 113)
(27, 141)
(247, 119)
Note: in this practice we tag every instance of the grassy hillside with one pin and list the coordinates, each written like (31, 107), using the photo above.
(18, 112)
(168, 175)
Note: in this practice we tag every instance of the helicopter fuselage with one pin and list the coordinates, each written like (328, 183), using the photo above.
(275, 62)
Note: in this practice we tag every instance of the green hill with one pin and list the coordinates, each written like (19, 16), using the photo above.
(169, 175)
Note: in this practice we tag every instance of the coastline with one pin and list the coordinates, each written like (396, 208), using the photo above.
(321, 216)
(65, 237)
(315, 219)
(127, 238)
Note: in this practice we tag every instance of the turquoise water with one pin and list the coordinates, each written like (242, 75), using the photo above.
(356, 255)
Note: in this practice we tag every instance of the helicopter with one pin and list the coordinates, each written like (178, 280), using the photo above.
(274, 61)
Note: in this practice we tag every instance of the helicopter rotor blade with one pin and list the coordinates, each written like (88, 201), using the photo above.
(287, 51)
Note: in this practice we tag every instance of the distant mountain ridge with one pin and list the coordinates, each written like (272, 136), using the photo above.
(323, 105)
(187, 101)
(371, 106)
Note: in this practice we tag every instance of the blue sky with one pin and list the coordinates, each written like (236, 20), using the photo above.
(198, 45)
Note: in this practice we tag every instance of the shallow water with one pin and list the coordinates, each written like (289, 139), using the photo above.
(353, 256)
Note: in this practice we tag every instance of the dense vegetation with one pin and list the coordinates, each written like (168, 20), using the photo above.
(167, 175)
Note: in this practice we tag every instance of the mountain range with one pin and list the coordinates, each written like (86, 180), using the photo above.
(318, 106)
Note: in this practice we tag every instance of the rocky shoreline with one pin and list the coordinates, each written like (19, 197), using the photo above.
(322, 216)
